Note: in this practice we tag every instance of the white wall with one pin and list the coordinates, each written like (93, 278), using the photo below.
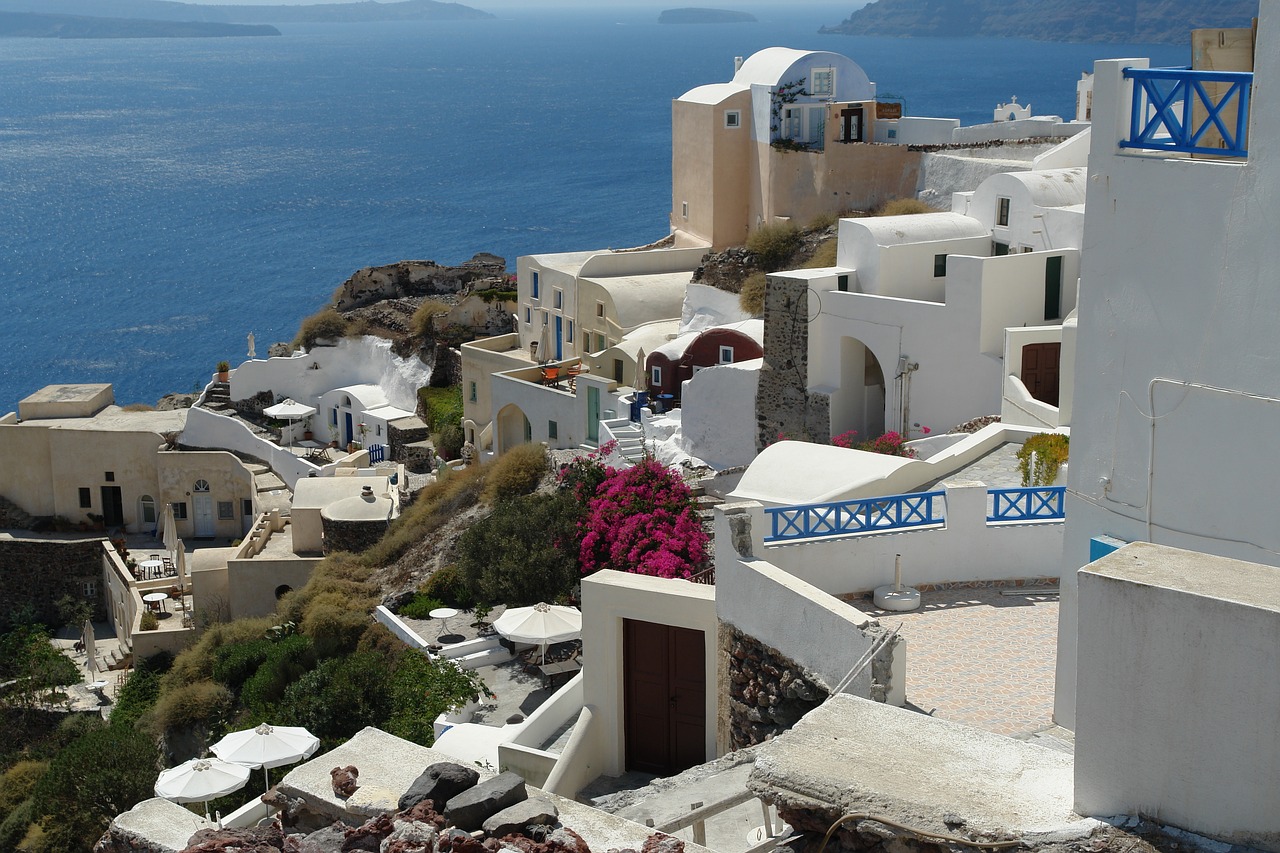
(1177, 696)
(916, 130)
(718, 414)
(1178, 283)
(965, 549)
(609, 597)
(209, 429)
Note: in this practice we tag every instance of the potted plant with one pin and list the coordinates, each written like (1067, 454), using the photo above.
(307, 435)
(333, 436)
(224, 371)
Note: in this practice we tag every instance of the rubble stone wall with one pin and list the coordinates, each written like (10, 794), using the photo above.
(768, 692)
(784, 406)
(353, 536)
(36, 573)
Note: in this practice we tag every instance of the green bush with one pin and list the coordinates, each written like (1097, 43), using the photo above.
(751, 297)
(200, 706)
(15, 825)
(514, 473)
(441, 406)
(324, 324)
(423, 689)
(773, 245)
(449, 441)
(141, 692)
(496, 294)
(420, 606)
(235, 663)
(423, 323)
(448, 585)
(195, 663)
(904, 207)
(286, 663)
(1050, 450)
(149, 621)
(524, 552)
(340, 696)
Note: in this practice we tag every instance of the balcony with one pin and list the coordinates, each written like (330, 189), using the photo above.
(1184, 111)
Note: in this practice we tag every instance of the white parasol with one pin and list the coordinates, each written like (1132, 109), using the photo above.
(201, 780)
(172, 544)
(542, 623)
(290, 411)
(267, 746)
(90, 651)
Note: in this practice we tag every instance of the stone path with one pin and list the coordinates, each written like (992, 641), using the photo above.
(979, 657)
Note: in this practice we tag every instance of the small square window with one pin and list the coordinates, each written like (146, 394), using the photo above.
(893, 133)
(559, 298)
(180, 510)
(732, 118)
(86, 499)
(939, 266)
(1002, 211)
(246, 506)
(998, 248)
(533, 278)
(109, 476)
(726, 355)
(553, 429)
(842, 283)
(472, 393)
(599, 309)
(226, 510)
(89, 589)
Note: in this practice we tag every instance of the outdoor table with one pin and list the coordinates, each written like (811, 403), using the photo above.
(444, 614)
(150, 568)
(157, 599)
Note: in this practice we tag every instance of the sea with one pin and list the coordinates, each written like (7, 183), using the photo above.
(160, 199)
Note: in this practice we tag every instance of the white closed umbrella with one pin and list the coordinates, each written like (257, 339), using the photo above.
(542, 623)
(267, 746)
(201, 780)
(290, 411)
(90, 651)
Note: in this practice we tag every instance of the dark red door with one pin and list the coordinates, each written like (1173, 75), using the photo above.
(664, 702)
(1040, 371)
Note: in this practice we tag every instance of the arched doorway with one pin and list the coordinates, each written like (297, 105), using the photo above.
(513, 428)
(859, 404)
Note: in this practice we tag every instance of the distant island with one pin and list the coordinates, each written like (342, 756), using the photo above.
(164, 10)
(1131, 21)
(693, 15)
(36, 25)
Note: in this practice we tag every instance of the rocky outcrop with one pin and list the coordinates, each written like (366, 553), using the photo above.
(418, 278)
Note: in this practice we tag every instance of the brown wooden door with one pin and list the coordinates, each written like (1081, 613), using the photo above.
(1040, 371)
(664, 701)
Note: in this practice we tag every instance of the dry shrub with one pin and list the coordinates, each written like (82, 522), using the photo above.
(335, 622)
(138, 407)
(423, 323)
(17, 782)
(436, 504)
(751, 297)
(823, 256)
(192, 706)
(904, 207)
(324, 324)
(822, 220)
(514, 473)
(773, 244)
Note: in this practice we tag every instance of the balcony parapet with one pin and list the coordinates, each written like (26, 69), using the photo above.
(1182, 110)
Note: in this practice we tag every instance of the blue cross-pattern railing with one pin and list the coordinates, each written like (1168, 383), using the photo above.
(1164, 103)
(377, 452)
(1037, 503)
(867, 515)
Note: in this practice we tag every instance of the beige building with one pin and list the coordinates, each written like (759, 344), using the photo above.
(786, 140)
(70, 452)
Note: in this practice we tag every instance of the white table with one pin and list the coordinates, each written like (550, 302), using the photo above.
(151, 568)
(444, 614)
(156, 598)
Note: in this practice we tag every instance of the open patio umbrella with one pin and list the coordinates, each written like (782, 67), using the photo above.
(201, 780)
(290, 411)
(267, 746)
(542, 623)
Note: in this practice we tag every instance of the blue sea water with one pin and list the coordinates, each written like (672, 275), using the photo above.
(159, 199)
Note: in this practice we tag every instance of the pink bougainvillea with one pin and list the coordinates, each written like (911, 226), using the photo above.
(643, 520)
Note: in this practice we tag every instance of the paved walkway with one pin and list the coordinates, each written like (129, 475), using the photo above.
(981, 658)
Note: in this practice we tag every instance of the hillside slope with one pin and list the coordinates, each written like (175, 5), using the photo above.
(1130, 21)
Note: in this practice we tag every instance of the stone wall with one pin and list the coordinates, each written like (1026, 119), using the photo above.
(768, 692)
(417, 278)
(784, 407)
(353, 536)
(36, 573)
(402, 434)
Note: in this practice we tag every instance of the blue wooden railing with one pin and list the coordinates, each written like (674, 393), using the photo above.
(903, 512)
(879, 515)
(1164, 103)
(377, 452)
(1037, 503)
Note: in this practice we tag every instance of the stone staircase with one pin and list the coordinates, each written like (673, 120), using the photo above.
(219, 397)
(706, 510)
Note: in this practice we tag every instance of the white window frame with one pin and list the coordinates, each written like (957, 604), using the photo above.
(1003, 205)
(558, 297)
(600, 309)
(829, 89)
(726, 354)
(733, 119)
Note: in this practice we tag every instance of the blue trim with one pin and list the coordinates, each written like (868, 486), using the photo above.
(1101, 546)
(868, 515)
(1163, 103)
(1037, 503)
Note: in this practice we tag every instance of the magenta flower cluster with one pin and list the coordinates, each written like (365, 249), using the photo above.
(642, 519)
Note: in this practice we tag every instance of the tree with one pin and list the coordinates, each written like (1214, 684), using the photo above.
(95, 778)
(424, 688)
(34, 666)
(642, 519)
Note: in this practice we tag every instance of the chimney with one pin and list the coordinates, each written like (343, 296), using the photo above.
(737, 64)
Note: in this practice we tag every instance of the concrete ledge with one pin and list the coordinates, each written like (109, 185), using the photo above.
(157, 825)
(856, 756)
